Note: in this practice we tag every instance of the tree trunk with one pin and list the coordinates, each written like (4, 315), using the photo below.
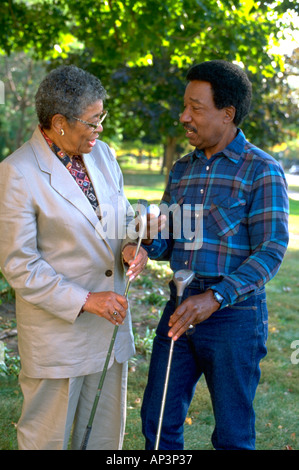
(169, 155)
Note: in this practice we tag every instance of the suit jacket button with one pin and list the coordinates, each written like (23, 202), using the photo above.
(108, 273)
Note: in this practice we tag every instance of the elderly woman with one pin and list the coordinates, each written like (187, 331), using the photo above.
(66, 268)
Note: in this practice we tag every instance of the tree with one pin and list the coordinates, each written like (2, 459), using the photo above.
(142, 49)
(21, 78)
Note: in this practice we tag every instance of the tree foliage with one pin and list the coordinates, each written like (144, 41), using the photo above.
(142, 49)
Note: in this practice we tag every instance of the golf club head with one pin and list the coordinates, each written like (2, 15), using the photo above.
(182, 279)
(142, 217)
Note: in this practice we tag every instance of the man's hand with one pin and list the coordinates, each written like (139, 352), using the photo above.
(192, 311)
(154, 226)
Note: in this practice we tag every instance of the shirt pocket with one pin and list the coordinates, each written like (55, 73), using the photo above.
(225, 215)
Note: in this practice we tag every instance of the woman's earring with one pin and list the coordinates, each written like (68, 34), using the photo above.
(61, 132)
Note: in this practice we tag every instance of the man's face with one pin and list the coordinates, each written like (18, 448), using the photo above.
(205, 124)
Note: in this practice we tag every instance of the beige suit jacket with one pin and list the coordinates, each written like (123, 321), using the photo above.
(54, 251)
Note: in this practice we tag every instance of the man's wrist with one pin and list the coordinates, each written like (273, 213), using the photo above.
(147, 241)
(218, 297)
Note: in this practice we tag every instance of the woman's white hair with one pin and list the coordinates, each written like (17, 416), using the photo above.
(66, 90)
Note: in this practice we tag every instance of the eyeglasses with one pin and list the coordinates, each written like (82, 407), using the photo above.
(94, 126)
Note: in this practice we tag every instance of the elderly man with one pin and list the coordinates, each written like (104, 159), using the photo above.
(243, 197)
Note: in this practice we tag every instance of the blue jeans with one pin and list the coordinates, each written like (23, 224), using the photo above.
(227, 349)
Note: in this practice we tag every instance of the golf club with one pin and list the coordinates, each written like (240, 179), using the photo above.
(181, 279)
(141, 214)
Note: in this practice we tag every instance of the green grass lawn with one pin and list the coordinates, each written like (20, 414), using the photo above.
(276, 402)
(143, 184)
(277, 398)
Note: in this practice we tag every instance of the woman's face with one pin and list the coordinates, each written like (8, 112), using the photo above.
(80, 138)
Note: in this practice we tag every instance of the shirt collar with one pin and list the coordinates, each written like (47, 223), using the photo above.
(233, 151)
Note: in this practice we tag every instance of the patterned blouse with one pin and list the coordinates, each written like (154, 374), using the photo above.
(77, 169)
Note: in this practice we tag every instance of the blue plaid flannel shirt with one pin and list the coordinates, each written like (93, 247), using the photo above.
(236, 207)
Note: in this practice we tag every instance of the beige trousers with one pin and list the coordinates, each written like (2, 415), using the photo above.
(55, 409)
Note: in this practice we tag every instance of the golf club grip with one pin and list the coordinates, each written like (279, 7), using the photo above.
(86, 438)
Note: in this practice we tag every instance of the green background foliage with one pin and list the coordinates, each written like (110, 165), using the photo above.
(142, 50)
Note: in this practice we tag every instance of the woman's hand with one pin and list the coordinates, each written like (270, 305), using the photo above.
(136, 265)
(107, 305)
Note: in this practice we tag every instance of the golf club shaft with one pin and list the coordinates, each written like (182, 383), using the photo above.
(158, 435)
(103, 375)
(164, 395)
(99, 390)
(182, 279)
(100, 386)
(128, 280)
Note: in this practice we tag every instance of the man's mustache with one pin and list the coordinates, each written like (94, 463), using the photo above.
(189, 128)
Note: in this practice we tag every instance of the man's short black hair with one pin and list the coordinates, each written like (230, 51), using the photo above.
(230, 85)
